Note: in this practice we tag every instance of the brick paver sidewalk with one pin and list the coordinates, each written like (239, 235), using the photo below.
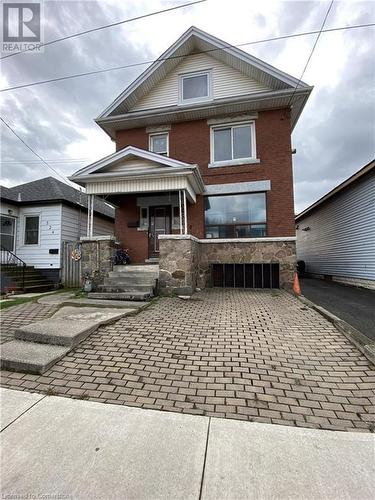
(24, 314)
(251, 355)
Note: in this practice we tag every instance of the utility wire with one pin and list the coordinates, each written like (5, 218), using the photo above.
(105, 27)
(35, 162)
(312, 51)
(32, 150)
(116, 68)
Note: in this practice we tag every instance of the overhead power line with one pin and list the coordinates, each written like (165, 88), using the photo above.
(32, 150)
(92, 30)
(227, 46)
(35, 162)
(312, 51)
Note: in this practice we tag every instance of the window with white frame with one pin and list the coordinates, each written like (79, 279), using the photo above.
(159, 143)
(195, 87)
(31, 230)
(233, 142)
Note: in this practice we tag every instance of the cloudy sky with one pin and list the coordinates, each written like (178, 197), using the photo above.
(334, 137)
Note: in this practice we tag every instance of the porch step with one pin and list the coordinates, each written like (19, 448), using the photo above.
(130, 280)
(113, 288)
(144, 268)
(136, 296)
(30, 357)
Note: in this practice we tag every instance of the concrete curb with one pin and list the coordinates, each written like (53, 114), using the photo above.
(363, 343)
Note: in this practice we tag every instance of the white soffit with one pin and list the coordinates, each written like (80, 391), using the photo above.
(192, 40)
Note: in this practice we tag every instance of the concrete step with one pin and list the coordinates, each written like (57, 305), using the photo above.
(123, 304)
(130, 280)
(69, 326)
(146, 268)
(114, 288)
(136, 296)
(30, 357)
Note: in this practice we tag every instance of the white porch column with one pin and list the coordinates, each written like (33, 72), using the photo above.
(90, 215)
(180, 208)
(185, 213)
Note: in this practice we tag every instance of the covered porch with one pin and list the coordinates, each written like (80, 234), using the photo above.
(153, 196)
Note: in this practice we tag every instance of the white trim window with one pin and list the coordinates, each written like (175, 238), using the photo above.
(233, 144)
(195, 87)
(31, 230)
(159, 143)
(7, 232)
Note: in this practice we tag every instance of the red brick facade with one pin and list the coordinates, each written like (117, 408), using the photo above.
(190, 142)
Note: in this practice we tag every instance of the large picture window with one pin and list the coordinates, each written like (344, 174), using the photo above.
(230, 143)
(31, 229)
(236, 216)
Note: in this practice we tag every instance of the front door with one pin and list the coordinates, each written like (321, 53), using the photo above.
(160, 223)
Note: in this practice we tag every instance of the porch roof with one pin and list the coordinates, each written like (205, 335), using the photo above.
(134, 170)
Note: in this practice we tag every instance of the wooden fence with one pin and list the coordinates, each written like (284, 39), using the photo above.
(71, 269)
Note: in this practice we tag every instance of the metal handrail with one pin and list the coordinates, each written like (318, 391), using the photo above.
(11, 259)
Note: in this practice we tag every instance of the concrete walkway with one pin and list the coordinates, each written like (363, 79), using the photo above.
(60, 447)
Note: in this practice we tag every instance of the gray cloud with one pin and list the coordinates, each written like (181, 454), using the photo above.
(335, 134)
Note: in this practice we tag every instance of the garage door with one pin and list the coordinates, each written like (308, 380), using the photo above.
(245, 275)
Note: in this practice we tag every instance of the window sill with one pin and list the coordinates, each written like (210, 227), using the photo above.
(232, 163)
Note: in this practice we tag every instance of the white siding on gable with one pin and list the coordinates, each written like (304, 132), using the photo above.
(49, 237)
(340, 240)
(226, 82)
(74, 224)
(132, 164)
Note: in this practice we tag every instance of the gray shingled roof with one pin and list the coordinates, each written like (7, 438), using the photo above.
(50, 189)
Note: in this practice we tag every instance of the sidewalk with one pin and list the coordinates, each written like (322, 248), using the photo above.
(65, 448)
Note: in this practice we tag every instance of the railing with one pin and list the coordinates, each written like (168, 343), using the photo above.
(8, 258)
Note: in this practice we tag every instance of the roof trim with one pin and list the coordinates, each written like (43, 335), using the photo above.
(346, 183)
(122, 154)
(216, 42)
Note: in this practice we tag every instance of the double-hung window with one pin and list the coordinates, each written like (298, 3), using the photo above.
(159, 144)
(31, 230)
(236, 216)
(232, 143)
(195, 87)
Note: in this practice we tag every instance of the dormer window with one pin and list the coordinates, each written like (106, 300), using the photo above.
(195, 87)
(159, 144)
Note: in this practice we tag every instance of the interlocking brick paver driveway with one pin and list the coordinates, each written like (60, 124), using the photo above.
(251, 355)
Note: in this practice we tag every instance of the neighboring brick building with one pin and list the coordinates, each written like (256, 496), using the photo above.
(202, 174)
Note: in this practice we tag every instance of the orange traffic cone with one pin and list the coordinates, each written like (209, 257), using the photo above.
(296, 287)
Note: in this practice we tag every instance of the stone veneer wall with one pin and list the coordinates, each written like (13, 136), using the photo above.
(184, 261)
(97, 257)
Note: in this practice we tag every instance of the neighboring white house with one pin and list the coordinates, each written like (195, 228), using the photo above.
(37, 217)
(336, 234)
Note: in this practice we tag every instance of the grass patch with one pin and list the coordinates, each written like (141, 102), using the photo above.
(10, 302)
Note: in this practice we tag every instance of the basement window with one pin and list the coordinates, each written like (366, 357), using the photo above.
(195, 87)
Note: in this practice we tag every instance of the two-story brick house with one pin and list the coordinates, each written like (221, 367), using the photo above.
(202, 172)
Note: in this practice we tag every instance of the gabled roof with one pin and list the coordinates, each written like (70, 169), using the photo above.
(285, 91)
(133, 164)
(370, 167)
(50, 190)
(128, 153)
(192, 41)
